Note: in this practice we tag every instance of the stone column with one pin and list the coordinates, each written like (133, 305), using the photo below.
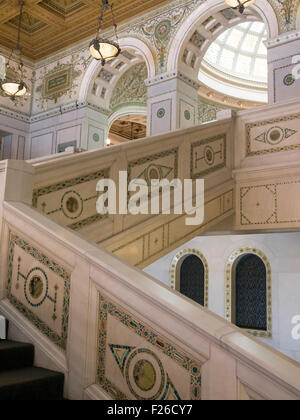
(172, 103)
(283, 66)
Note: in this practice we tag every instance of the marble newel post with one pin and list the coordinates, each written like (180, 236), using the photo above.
(172, 103)
(284, 67)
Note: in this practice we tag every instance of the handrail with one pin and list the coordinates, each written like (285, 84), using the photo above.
(181, 311)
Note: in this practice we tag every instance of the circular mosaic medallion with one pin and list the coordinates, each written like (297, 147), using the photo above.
(72, 205)
(145, 375)
(36, 287)
(96, 137)
(162, 30)
(161, 113)
(289, 80)
(187, 115)
(209, 155)
(275, 135)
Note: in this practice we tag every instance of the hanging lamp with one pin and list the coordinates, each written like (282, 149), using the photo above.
(239, 4)
(103, 49)
(13, 84)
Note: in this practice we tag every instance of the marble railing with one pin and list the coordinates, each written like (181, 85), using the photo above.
(266, 167)
(200, 152)
(249, 160)
(105, 323)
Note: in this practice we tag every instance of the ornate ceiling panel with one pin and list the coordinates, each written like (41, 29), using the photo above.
(50, 25)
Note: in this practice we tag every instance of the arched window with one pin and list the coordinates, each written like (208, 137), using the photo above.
(189, 275)
(248, 291)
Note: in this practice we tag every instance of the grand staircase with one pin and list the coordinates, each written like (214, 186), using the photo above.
(71, 283)
(20, 380)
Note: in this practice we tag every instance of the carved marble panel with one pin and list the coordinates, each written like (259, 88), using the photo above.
(273, 136)
(270, 204)
(39, 288)
(71, 202)
(162, 165)
(208, 155)
(136, 363)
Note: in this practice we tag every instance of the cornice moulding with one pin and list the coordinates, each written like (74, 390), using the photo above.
(52, 113)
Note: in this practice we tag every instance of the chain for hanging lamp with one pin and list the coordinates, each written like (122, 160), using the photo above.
(13, 84)
(103, 49)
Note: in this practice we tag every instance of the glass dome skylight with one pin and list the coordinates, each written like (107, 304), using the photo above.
(236, 62)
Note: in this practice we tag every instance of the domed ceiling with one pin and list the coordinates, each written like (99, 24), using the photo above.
(236, 63)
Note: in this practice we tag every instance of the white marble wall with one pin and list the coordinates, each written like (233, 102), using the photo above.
(50, 133)
(283, 252)
(283, 55)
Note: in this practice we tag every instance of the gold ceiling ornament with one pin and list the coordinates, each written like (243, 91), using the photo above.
(102, 49)
(13, 84)
(240, 5)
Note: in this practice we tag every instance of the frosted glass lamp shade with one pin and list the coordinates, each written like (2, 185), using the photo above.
(14, 89)
(239, 4)
(104, 50)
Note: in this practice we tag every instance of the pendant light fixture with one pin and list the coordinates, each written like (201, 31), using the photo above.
(13, 85)
(103, 49)
(240, 5)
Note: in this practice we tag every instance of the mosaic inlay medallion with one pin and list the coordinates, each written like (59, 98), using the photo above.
(72, 204)
(144, 375)
(96, 137)
(289, 80)
(36, 287)
(161, 113)
(209, 155)
(187, 115)
(162, 30)
(142, 372)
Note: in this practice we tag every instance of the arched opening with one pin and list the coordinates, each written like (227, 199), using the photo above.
(189, 275)
(127, 128)
(236, 65)
(205, 27)
(248, 292)
(192, 279)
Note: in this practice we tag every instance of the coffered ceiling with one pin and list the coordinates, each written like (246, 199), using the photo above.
(129, 127)
(50, 25)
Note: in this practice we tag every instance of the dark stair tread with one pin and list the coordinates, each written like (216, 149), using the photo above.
(31, 383)
(14, 355)
(7, 344)
(29, 374)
